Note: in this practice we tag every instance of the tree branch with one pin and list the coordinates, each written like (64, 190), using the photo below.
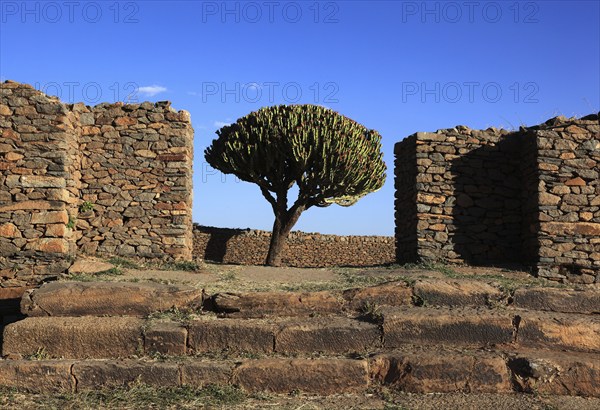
(268, 197)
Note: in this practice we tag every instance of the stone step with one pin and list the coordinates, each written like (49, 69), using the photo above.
(140, 299)
(586, 301)
(114, 337)
(123, 337)
(108, 299)
(485, 327)
(423, 292)
(414, 371)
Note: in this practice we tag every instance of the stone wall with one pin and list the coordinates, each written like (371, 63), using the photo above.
(250, 247)
(494, 197)
(569, 198)
(466, 195)
(34, 185)
(136, 172)
(111, 179)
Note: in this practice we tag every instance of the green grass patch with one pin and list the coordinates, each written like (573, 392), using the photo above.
(187, 266)
(124, 263)
(173, 314)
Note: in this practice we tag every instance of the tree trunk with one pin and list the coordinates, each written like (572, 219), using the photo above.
(284, 222)
(278, 238)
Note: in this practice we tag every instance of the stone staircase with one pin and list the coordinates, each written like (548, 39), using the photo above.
(426, 336)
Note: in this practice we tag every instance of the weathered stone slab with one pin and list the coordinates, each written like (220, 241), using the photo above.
(318, 376)
(261, 304)
(74, 337)
(559, 330)
(558, 300)
(232, 335)
(201, 373)
(445, 326)
(455, 293)
(92, 375)
(575, 374)
(37, 376)
(166, 338)
(89, 266)
(327, 335)
(387, 294)
(442, 372)
(108, 298)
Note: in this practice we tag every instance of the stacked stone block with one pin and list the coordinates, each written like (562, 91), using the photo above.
(495, 197)
(569, 198)
(111, 179)
(137, 179)
(35, 168)
(466, 194)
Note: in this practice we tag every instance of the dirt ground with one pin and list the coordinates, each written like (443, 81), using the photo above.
(215, 277)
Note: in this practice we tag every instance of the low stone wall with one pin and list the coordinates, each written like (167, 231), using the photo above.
(250, 247)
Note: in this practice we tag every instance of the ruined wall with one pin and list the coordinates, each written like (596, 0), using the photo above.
(35, 170)
(569, 198)
(250, 247)
(468, 196)
(495, 197)
(137, 175)
(111, 179)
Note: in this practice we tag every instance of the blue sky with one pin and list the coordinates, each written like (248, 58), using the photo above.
(395, 66)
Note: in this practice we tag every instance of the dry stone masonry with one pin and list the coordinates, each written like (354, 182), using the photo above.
(530, 197)
(112, 179)
(250, 247)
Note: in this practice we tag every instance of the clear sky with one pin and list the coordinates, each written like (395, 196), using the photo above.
(395, 66)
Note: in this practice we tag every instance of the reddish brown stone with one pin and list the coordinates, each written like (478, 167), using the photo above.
(559, 330)
(55, 217)
(172, 157)
(557, 373)
(199, 373)
(108, 298)
(328, 335)
(318, 376)
(442, 372)
(123, 121)
(9, 230)
(455, 293)
(74, 337)
(260, 304)
(569, 229)
(558, 300)
(575, 182)
(51, 245)
(38, 376)
(387, 294)
(445, 326)
(232, 335)
(166, 338)
(56, 230)
(30, 205)
(93, 375)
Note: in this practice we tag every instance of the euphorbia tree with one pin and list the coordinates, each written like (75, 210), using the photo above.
(333, 159)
